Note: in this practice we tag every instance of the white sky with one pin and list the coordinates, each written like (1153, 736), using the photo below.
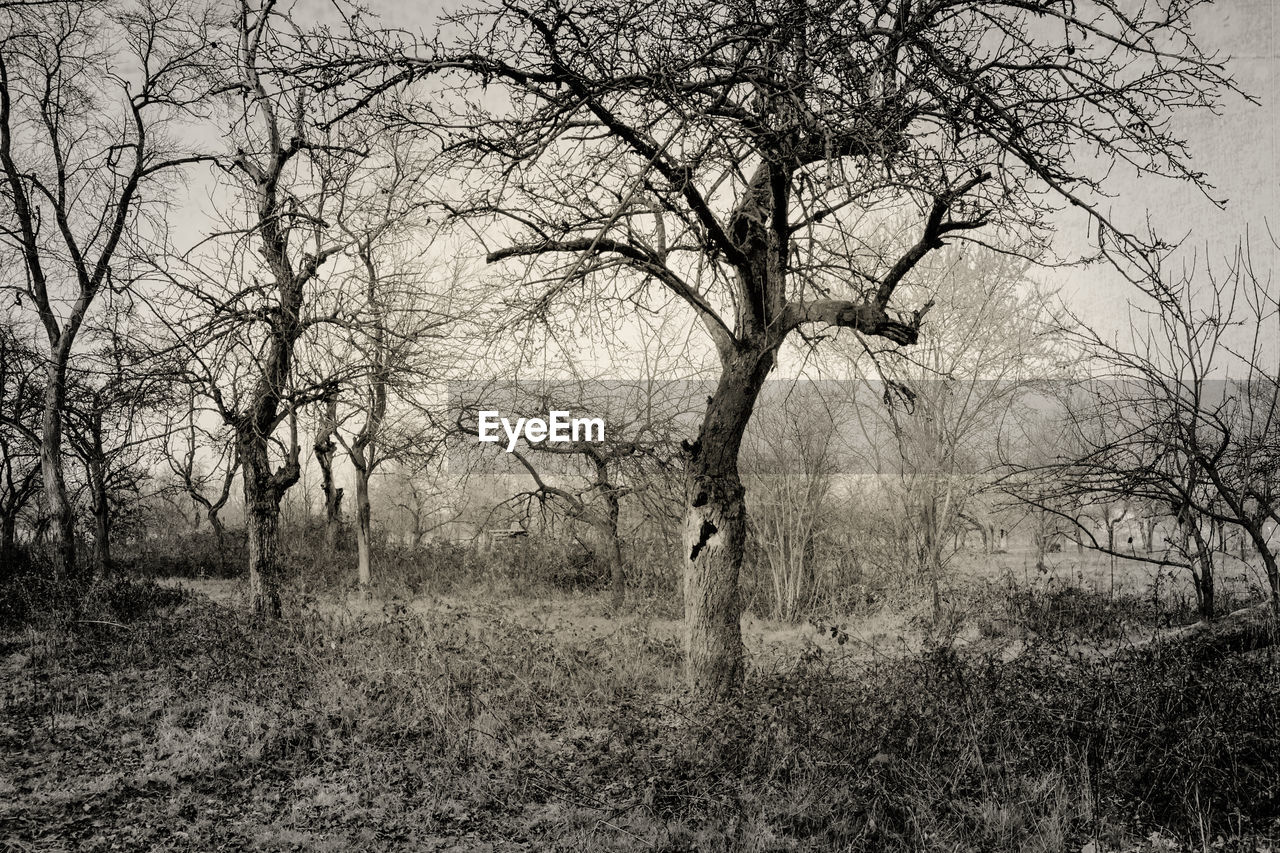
(1238, 151)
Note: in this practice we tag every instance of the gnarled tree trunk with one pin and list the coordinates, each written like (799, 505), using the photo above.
(263, 491)
(715, 526)
(325, 448)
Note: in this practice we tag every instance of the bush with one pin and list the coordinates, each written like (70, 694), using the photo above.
(190, 555)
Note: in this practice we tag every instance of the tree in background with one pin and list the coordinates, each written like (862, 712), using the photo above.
(21, 400)
(585, 480)
(409, 302)
(991, 343)
(205, 479)
(789, 458)
(261, 303)
(1185, 418)
(113, 390)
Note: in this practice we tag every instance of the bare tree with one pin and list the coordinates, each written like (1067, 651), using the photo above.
(111, 392)
(585, 479)
(205, 480)
(262, 305)
(404, 314)
(20, 404)
(742, 159)
(1181, 416)
(88, 93)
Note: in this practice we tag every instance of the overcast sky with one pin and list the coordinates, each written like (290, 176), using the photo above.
(1237, 150)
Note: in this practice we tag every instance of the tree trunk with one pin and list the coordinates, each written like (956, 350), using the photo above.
(8, 543)
(325, 448)
(61, 513)
(611, 547)
(715, 528)
(219, 532)
(219, 538)
(1042, 543)
(101, 517)
(263, 491)
(364, 523)
(617, 572)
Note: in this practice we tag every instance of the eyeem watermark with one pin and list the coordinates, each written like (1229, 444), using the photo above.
(557, 428)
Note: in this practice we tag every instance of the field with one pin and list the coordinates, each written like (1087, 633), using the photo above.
(161, 716)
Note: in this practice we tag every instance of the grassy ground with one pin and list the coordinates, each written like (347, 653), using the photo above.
(152, 719)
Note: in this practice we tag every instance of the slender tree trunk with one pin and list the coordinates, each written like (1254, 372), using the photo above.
(1042, 542)
(325, 449)
(219, 532)
(715, 528)
(611, 545)
(219, 538)
(61, 513)
(617, 571)
(101, 517)
(8, 543)
(364, 524)
(1203, 576)
(1206, 590)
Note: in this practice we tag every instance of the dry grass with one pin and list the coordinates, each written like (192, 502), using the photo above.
(469, 722)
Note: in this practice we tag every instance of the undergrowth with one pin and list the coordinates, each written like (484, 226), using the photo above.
(149, 721)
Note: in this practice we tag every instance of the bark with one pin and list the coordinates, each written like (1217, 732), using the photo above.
(263, 491)
(364, 524)
(325, 448)
(101, 516)
(219, 532)
(715, 528)
(1205, 589)
(61, 513)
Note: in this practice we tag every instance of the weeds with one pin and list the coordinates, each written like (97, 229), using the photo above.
(189, 726)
